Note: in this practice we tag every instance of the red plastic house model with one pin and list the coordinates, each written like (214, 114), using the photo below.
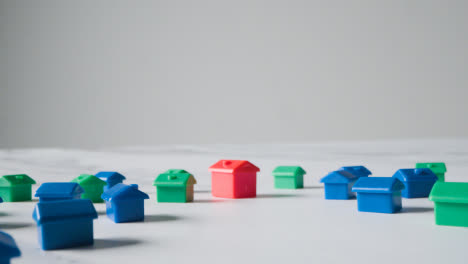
(234, 179)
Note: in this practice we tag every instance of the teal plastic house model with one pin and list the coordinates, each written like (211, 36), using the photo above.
(16, 188)
(450, 203)
(93, 187)
(289, 177)
(175, 186)
(438, 168)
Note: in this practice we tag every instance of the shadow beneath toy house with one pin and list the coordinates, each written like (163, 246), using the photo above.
(313, 187)
(33, 200)
(109, 243)
(276, 195)
(202, 191)
(161, 218)
(101, 213)
(208, 201)
(416, 209)
(3, 214)
(14, 225)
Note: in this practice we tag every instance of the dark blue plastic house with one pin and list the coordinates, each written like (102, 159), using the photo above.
(359, 171)
(1, 200)
(8, 248)
(65, 224)
(338, 185)
(125, 203)
(111, 178)
(418, 182)
(56, 191)
(378, 194)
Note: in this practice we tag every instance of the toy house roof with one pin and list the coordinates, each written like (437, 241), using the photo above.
(174, 179)
(449, 192)
(1, 200)
(12, 180)
(413, 175)
(339, 176)
(64, 210)
(290, 171)
(359, 171)
(88, 179)
(122, 191)
(174, 171)
(110, 176)
(8, 247)
(230, 166)
(58, 189)
(436, 167)
(378, 185)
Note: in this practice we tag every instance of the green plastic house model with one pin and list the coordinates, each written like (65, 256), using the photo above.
(174, 186)
(16, 188)
(289, 177)
(438, 168)
(450, 203)
(93, 187)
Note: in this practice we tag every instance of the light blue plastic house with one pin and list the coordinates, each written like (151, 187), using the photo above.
(418, 182)
(65, 224)
(378, 194)
(338, 185)
(359, 171)
(125, 203)
(56, 191)
(8, 248)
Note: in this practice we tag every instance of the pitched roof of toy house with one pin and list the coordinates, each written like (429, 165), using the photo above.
(8, 247)
(230, 166)
(59, 189)
(289, 171)
(176, 171)
(339, 176)
(63, 210)
(122, 191)
(88, 179)
(436, 167)
(411, 175)
(110, 176)
(359, 171)
(1, 200)
(378, 185)
(449, 192)
(174, 179)
(12, 180)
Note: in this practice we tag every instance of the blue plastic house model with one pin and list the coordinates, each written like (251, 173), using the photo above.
(418, 182)
(338, 185)
(378, 194)
(1, 200)
(56, 191)
(125, 203)
(359, 171)
(65, 224)
(111, 178)
(8, 248)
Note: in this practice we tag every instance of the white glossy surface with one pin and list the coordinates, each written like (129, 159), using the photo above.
(276, 227)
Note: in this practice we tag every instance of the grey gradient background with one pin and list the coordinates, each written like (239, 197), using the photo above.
(110, 73)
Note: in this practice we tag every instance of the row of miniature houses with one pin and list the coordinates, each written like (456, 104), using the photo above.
(65, 211)
(60, 210)
(384, 194)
